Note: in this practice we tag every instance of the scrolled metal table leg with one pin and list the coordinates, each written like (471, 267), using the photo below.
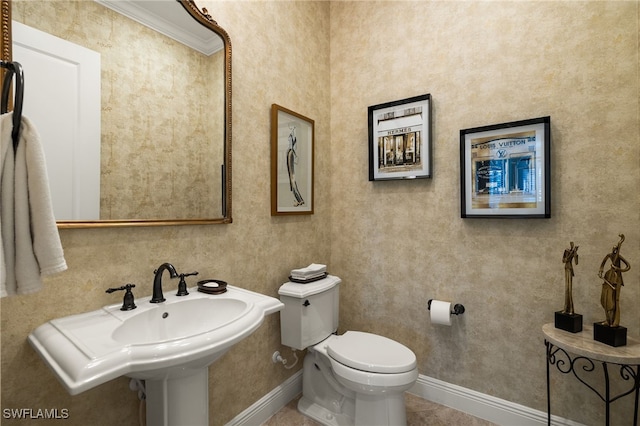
(548, 346)
(607, 398)
(635, 410)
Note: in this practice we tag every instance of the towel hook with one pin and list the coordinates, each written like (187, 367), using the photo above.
(13, 68)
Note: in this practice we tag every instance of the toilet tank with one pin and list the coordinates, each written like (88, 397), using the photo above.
(310, 312)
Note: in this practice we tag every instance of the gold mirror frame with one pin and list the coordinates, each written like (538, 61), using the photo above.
(5, 40)
(206, 20)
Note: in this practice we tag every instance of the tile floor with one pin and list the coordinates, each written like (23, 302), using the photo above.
(420, 412)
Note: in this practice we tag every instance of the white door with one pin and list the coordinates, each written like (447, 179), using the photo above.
(62, 100)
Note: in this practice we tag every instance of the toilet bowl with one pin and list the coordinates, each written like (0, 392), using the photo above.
(356, 378)
(366, 362)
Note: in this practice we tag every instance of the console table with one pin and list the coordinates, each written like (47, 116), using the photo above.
(565, 349)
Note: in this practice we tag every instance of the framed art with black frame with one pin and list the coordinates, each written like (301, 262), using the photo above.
(400, 139)
(505, 170)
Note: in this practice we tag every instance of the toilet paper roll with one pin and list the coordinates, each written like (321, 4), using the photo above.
(440, 312)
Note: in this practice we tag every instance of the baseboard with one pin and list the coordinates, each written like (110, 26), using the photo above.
(487, 407)
(271, 403)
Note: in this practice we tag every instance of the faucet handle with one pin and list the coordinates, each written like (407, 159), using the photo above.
(128, 300)
(182, 285)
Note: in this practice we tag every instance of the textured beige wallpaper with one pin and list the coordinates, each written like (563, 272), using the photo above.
(398, 244)
(278, 57)
(395, 244)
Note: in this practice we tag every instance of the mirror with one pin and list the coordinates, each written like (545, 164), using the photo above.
(165, 109)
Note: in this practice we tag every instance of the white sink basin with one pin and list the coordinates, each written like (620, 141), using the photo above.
(156, 341)
(183, 318)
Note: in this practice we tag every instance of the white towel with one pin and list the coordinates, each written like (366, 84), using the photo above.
(31, 244)
(312, 271)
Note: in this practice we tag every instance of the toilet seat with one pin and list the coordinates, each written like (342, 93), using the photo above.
(371, 353)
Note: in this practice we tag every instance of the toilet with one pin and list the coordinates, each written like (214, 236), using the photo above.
(356, 378)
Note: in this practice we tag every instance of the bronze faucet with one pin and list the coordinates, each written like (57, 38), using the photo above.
(157, 281)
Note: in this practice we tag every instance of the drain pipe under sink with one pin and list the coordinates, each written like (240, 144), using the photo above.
(138, 385)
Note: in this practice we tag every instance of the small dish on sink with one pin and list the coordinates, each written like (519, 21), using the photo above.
(212, 286)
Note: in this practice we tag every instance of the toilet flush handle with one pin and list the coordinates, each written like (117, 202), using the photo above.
(306, 303)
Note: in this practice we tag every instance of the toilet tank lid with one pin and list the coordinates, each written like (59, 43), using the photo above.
(300, 291)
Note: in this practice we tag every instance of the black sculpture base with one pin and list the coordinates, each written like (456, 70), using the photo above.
(569, 322)
(612, 336)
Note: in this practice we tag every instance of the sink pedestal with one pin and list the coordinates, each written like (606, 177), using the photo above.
(179, 400)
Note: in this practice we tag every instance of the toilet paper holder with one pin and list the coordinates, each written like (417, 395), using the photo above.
(458, 309)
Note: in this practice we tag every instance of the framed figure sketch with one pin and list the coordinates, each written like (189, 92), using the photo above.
(292, 143)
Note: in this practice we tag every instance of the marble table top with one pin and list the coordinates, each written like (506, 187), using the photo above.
(582, 343)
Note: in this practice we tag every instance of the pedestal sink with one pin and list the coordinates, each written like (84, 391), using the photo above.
(170, 345)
